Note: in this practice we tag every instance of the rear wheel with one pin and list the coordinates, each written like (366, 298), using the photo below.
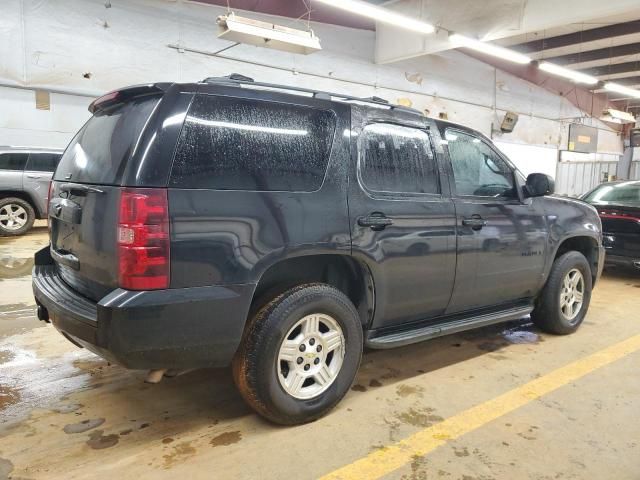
(565, 298)
(300, 354)
(16, 216)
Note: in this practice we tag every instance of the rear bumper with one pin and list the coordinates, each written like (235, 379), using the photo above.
(173, 328)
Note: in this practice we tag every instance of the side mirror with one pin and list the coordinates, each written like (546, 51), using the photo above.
(538, 185)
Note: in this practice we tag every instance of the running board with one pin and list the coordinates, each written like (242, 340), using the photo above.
(398, 339)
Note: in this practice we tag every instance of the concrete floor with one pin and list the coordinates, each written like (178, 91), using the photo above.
(65, 413)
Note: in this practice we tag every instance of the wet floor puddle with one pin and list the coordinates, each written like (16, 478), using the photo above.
(13, 267)
(83, 426)
(520, 333)
(98, 441)
(28, 381)
(225, 439)
(16, 318)
(520, 336)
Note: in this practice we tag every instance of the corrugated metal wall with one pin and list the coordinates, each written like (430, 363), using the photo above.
(574, 178)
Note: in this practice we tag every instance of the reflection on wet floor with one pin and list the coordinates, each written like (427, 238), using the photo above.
(36, 381)
(17, 318)
(17, 307)
(15, 267)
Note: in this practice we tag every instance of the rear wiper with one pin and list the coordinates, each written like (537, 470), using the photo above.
(78, 187)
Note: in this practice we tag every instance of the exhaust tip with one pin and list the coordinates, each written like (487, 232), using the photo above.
(42, 314)
(154, 376)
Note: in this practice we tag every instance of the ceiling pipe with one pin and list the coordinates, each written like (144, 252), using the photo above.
(78, 92)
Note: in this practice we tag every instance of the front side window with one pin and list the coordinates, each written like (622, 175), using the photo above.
(397, 159)
(43, 162)
(240, 144)
(13, 161)
(478, 171)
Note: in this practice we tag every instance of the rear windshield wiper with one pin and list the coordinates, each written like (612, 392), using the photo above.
(78, 187)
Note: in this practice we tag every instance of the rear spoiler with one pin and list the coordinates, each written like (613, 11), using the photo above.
(127, 93)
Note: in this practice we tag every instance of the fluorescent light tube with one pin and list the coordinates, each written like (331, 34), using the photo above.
(382, 15)
(567, 73)
(489, 49)
(616, 87)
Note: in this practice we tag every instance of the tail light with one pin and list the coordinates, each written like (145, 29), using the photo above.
(49, 194)
(619, 214)
(143, 239)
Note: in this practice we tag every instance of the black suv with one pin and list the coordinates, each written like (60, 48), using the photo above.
(281, 230)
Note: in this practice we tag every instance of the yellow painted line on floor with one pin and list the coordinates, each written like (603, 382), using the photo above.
(386, 460)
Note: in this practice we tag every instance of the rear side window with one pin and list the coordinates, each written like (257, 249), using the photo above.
(397, 159)
(13, 161)
(239, 144)
(43, 162)
(99, 152)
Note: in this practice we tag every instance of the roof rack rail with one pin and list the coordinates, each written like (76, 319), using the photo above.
(232, 78)
(377, 99)
(238, 79)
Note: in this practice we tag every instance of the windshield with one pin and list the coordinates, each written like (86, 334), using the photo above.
(619, 192)
(99, 152)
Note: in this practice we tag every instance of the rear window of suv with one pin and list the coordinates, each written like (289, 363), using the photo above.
(239, 144)
(98, 154)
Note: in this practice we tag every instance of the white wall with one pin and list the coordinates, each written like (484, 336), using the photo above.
(21, 124)
(51, 44)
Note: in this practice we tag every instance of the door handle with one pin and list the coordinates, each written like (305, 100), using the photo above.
(476, 222)
(34, 176)
(375, 221)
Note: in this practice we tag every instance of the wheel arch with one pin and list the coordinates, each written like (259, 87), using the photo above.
(586, 244)
(22, 195)
(342, 271)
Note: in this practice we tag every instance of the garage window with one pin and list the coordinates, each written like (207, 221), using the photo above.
(240, 144)
(397, 159)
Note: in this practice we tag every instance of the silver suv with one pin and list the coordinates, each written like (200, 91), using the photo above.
(25, 174)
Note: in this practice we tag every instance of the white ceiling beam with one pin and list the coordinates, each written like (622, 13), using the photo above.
(485, 20)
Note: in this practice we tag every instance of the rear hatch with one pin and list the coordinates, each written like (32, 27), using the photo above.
(85, 195)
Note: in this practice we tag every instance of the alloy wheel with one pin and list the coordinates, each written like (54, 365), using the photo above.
(13, 216)
(310, 356)
(572, 294)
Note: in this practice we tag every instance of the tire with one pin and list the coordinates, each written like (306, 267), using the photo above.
(267, 383)
(23, 220)
(549, 314)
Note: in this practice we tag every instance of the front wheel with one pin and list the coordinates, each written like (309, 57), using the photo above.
(299, 354)
(565, 298)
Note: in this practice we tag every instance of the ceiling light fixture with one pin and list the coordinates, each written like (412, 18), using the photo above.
(382, 15)
(612, 115)
(263, 34)
(493, 50)
(567, 73)
(617, 88)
